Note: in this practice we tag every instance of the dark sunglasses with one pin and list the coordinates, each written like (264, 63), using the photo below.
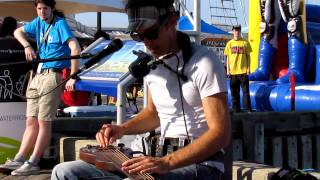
(151, 34)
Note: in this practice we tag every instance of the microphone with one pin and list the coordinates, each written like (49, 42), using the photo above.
(82, 55)
(114, 46)
(141, 66)
(145, 62)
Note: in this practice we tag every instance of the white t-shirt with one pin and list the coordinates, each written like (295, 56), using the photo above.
(206, 77)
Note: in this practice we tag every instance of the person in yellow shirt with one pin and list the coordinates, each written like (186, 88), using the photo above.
(238, 51)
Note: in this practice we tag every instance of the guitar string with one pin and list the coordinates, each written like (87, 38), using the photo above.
(146, 175)
(115, 158)
(123, 158)
(143, 175)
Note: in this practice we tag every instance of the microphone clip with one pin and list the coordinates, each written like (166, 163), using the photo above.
(142, 65)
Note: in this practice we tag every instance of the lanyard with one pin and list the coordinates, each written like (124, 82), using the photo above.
(45, 37)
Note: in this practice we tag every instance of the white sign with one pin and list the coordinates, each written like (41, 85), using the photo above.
(12, 126)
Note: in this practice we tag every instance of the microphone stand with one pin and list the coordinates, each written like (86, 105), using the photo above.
(83, 56)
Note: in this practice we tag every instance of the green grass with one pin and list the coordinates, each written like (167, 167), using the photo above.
(8, 152)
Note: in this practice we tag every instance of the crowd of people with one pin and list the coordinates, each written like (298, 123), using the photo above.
(186, 96)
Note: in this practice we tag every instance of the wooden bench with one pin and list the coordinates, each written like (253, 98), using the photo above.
(278, 139)
(254, 171)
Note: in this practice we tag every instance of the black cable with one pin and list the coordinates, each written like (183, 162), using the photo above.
(35, 61)
(179, 76)
(53, 89)
(41, 95)
(114, 46)
(83, 56)
(181, 97)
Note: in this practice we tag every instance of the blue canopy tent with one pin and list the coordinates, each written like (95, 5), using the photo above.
(185, 24)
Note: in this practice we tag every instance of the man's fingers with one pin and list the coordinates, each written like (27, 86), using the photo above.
(137, 165)
(103, 141)
(133, 160)
(149, 170)
(100, 138)
(28, 57)
(106, 136)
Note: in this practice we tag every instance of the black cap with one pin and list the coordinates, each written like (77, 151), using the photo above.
(144, 3)
(236, 27)
(145, 13)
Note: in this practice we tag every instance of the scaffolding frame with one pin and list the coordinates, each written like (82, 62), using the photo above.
(194, 17)
(223, 14)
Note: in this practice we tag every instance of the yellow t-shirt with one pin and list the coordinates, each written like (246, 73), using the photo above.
(238, 52)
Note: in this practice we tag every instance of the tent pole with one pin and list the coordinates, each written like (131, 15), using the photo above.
(197, 20)
(98, 21)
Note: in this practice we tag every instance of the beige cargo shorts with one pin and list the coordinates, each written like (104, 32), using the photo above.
(44, 108)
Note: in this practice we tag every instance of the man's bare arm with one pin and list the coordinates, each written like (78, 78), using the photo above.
(20, 35)
(75, 50)
(145, 121)
(228, 66)
(216, 138)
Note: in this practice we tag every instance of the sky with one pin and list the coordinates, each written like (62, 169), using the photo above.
(119, 20)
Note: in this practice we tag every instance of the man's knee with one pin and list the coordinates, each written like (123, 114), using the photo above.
(60, 171)
(32, 124)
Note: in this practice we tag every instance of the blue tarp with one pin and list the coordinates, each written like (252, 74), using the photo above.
(185, 24)
(313, 14)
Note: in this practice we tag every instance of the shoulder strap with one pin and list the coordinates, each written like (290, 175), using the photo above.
(45, 37)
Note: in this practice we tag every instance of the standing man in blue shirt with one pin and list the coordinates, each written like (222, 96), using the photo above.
(54, 39)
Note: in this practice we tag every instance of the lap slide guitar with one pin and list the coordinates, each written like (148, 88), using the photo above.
(109, 159)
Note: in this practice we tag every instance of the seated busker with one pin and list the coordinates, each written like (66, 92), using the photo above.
(186, 98)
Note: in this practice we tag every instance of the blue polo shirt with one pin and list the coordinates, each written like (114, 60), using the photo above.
(56, 44)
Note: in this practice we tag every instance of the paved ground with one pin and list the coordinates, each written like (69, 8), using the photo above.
(44, 175)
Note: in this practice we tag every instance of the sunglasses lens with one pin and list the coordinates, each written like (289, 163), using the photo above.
(150, 34)
(136, 37)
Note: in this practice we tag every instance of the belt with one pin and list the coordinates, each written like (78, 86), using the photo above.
(49, 70)
(165, 145)
(179, 142)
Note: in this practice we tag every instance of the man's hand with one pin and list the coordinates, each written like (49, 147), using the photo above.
(146, 164)
(29, 53)
(108, 134)
(70, 85)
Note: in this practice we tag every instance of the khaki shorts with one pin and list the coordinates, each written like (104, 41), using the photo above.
(45, 107)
